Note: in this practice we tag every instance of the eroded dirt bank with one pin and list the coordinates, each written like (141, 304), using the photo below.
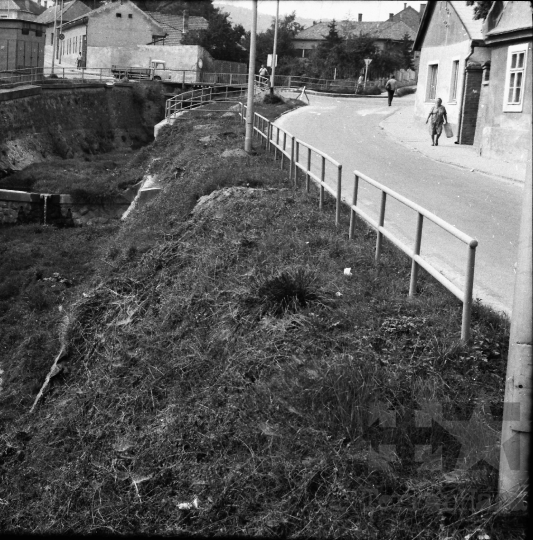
(67, 122)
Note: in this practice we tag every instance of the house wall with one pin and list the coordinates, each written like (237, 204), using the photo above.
(444, 57)
(72, 44)
(18, 50)
(108, 30)
(504, 135)
(445, 41)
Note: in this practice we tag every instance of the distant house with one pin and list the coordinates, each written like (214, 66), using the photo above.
(71, 10)
(27, 10)
(21, 44)
(451, 49)
(114, 25)
(504, 116)
(176, 26)
(387, 34)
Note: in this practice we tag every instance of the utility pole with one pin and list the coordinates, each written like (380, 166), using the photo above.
(516, 424)
(272, 79)
(61, 30)
(54, 48)
(251, 81)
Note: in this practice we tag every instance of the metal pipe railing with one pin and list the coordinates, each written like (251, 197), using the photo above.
(279, 144)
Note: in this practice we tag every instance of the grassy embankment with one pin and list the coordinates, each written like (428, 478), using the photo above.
(223, 359)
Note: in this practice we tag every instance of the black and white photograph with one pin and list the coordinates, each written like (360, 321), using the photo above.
(266, 268)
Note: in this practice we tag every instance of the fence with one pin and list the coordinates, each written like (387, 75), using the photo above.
(38, 75)
(293, 149)
(202, 96)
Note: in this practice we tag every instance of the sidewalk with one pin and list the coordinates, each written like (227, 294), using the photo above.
(412, 133)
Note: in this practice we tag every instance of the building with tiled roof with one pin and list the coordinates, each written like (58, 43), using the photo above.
(386, 34)
(27, 10)
(176, 26)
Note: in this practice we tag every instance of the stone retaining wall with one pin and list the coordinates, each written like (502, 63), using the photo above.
(18, 207)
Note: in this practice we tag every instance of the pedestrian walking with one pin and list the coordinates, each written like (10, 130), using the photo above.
(438, 119)
(391, 87)
(79, 61)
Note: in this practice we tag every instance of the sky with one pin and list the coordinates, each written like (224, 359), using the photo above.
(372, 10)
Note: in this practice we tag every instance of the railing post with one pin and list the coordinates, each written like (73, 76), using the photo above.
(338, 204)
(307, 177)
(354, 203)
(269, 134)
(277, 144)
(284, 149)
(322, 180)
(292, 158)
(379, 239)
(296, 161)
(469, 286)
(414, 264)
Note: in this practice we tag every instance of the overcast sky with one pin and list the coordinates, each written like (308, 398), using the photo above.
(372, 10)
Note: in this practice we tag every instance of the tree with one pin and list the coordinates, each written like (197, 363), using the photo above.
(407, 51)
(481, 8)
(221, 40)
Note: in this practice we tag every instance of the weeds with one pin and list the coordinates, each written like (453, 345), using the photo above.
(226, 377)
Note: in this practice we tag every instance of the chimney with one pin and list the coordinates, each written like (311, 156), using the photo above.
(360, 17)
(422, 10)
(185, 21)
(391, 15)
(405, 5)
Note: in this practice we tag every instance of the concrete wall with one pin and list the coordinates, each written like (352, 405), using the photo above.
(18, 207)
(504, 135)
(177, 57)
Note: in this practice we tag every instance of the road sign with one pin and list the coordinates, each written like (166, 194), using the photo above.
(269, 60)
(367, 61)
(61, 36)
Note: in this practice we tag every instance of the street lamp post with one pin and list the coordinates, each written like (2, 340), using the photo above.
(251, 80)
(54, 48)
(273, 74)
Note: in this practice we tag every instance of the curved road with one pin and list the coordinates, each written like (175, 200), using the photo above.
(482, 206)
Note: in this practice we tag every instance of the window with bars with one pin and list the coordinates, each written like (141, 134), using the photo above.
(515, 78)
(455, 78)
(431, 92)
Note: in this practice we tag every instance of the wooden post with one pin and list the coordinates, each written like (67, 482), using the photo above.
(322, 180)
(354, 203)
(416, 251)
(307, 177)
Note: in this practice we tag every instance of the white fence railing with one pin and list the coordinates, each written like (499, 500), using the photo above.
(315, 165)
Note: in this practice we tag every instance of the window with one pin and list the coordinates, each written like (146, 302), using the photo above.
(130, 16)
(455, 77)
(515, 78)
(486, 72)
(431, 91)
(119, 15)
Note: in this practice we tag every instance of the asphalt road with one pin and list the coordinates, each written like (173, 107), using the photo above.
(484, 207)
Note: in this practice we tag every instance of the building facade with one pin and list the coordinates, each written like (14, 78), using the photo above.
(504, 117)
(21, 44)
(116, 25)
(451, 44)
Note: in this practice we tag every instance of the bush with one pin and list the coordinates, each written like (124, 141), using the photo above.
(369, 91)
(272, 99)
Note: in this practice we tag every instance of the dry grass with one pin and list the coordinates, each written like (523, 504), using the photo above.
(224, 360)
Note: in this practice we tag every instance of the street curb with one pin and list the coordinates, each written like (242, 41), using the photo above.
(441, 160)
(327, 94)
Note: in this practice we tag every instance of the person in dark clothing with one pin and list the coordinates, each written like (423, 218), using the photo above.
(391, 87)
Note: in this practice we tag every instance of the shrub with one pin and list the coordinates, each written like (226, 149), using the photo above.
(369, 91)
(272, 99)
